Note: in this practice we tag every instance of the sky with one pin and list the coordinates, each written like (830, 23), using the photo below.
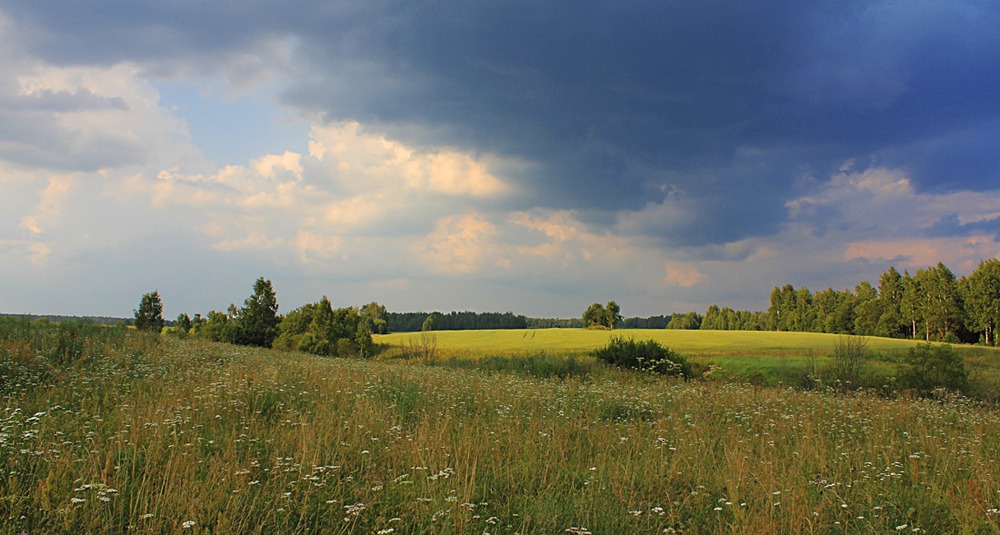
(522, 156)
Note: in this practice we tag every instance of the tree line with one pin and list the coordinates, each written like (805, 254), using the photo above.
(453, 321)
(932, 304)
(316, 328)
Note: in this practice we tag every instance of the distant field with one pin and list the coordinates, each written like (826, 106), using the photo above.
(694, 343)
(766, 357)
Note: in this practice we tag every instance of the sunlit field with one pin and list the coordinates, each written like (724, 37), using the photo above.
(104, 430)
(768, 358)
(707, 343)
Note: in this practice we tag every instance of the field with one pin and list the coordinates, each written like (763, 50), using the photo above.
(765, 358)
(108, 431)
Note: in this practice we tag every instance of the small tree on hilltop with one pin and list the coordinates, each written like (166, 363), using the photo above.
(149, 317)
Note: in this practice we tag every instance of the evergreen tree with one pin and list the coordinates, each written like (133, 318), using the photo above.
(257, 321)
(149, 316)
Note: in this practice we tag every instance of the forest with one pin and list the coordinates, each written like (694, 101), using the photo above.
(932, 304)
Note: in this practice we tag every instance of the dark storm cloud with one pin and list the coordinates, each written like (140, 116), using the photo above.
(615, 103)
(950, 225)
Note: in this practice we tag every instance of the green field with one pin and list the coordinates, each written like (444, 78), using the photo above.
(111, 431)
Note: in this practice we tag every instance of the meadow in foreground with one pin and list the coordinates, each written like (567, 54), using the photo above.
(110, 431)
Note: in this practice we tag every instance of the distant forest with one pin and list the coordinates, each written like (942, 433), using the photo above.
(461, 321)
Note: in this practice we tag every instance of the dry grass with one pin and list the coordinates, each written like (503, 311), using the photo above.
(151, 438)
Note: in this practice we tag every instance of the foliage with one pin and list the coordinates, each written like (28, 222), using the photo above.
(690, 320)
(220, 327)
(452, 321)
(930, 367)
(595, 316)
(257, 322)
(183, 323)
(644, 355)
(320, 329)
(429, 323)
(981, 295)
(601, 316)
(376, 317)
(651, 322)
(149, 316)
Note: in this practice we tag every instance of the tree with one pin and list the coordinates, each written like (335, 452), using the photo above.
(183, 322)
(930, 367)
(867, 309)
(149, 317)
(429, 323)
(220, 327)
(689, 320)
(612, 314)
(940, 302)
(981, 293)
(595, 316)
(377, 314)
(257, 321)
(909, 305)
(890, 295)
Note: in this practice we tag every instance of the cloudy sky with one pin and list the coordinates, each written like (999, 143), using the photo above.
(519, 155)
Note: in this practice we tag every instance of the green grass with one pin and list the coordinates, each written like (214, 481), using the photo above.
(142, 436)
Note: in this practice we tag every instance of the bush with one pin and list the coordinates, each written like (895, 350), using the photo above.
(850, 358)
(931, 367)
(644, 355)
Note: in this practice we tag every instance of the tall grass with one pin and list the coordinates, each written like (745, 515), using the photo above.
(192, 436)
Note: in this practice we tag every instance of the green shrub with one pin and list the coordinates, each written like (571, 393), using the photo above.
(645, 355)
(931, 367)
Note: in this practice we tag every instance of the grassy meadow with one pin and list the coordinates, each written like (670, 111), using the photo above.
(109, 431)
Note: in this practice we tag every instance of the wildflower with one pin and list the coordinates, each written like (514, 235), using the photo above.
(188, 524)
(76, 500)
(902, 527)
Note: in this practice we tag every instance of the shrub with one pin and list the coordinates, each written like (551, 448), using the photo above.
(850, 358)
(644, 355)
(931, 367)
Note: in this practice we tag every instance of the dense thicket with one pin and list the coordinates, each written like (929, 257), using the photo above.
(454, 321)
(931, 304)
